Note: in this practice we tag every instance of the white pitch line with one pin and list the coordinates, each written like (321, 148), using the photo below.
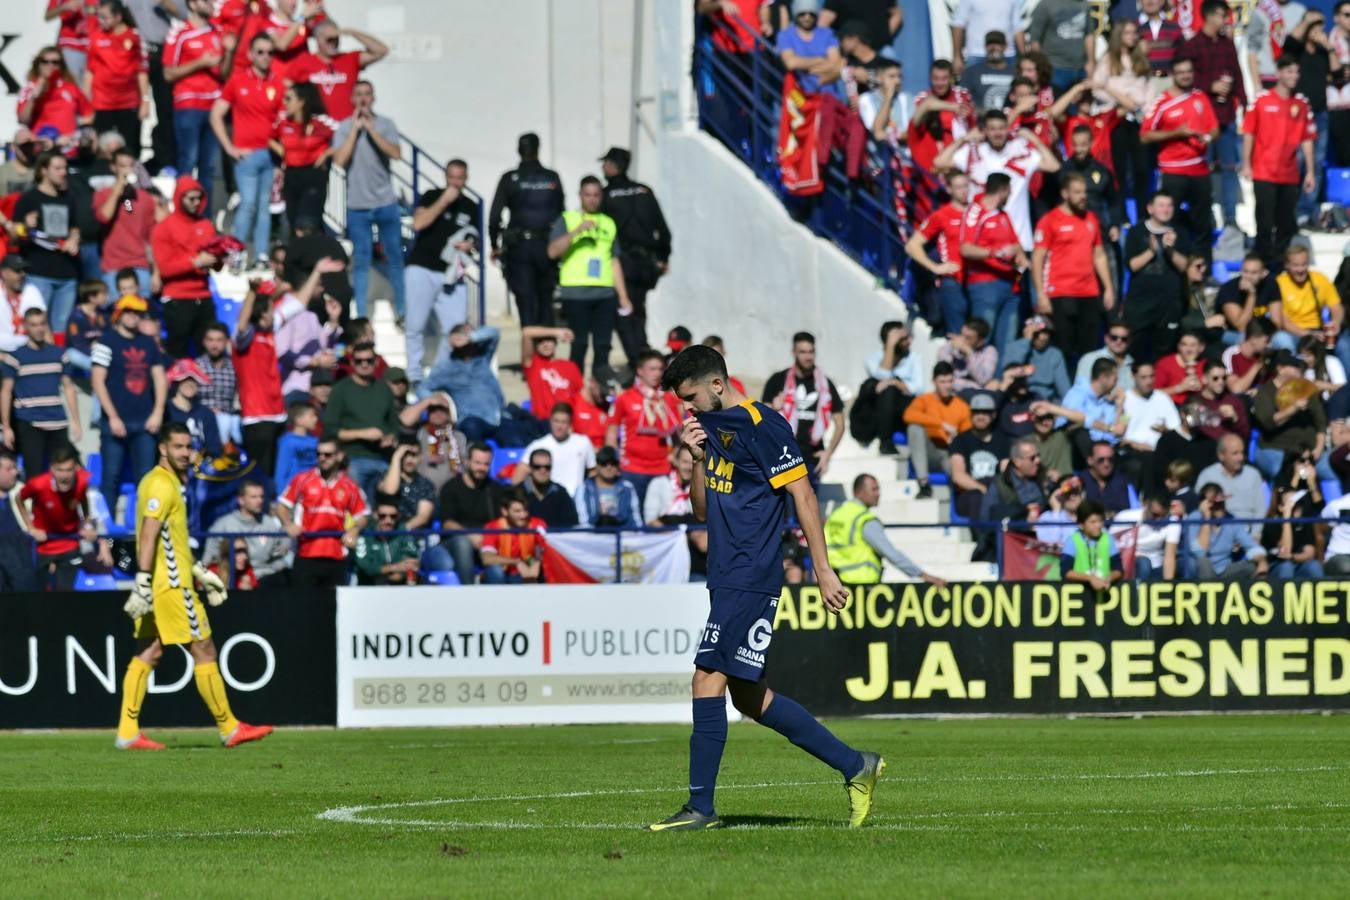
(356, 815)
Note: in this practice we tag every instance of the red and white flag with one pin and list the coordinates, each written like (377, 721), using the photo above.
(589, 558)
(799, 140)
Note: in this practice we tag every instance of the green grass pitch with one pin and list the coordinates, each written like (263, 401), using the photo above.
(1222, 806)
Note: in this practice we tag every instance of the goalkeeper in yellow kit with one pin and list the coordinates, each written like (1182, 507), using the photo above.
(165, 602)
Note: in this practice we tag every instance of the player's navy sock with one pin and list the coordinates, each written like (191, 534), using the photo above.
(787, 717)
(705, 751)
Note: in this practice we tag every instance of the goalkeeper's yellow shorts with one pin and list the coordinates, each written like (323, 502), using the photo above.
(179, 617)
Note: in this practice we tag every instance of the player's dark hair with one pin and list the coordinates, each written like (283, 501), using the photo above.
(216, 326)
(1341, 5)
(356, 328)
(979, 326)
(591, 179)
(479, 447)
(540, 452)
(943, 368)
(248, 484)
(1140, 364)
(298, 409)
(803, 337)
(1195, 333)
(941, 65)
(561, 408)
(90, 289)
(527, 147)
(514, 495)
(991, 115)
(260, 36)
(1210, 487)
(1179, 60)
(1156, 194)
(127, 273)
(996, 182)
(361, 346)
(1103, 367)
(457, 163)
(1089, 508)
(715, 341)
(1021, 81)
(1215, 364)
(169, 429)
(311, 101)
(1288, 61)
(1082, 129)
(1069, 178)
(63, 454)
(861, 480)
(1209, 7)
(694, 363)
(383, 499)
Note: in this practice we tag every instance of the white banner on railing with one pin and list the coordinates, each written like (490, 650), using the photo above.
(589, 557)
(516, 655)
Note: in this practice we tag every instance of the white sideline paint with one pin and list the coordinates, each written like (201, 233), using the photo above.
(355, 815)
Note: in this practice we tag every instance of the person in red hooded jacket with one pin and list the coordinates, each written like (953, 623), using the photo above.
(183, 263)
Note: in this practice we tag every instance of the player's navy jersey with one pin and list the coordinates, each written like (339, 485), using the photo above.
(751, 455)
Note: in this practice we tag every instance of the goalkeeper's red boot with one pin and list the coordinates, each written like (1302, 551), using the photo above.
(139, 742)
(244, 732)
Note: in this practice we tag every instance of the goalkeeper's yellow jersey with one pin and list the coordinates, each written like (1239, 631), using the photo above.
(161, 495)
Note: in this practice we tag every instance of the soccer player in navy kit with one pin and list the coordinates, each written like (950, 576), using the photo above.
(749, 464)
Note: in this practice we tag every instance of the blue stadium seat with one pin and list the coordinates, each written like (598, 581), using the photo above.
(1338, 186)
(956, 517)
(1133, 496)
(1332, 490)
(94, 463)
(129, 511)
(505, 456)
(84, 581)
(446, 577)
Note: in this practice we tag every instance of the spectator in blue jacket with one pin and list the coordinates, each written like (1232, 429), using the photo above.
(606, 499)
(466, 375)
(1032, 357)
(1212, 539)
(298, 449)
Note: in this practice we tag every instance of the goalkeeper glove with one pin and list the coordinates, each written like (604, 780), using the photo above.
(211, 584)
(140, 602)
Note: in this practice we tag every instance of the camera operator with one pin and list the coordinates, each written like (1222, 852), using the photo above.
(126, 217)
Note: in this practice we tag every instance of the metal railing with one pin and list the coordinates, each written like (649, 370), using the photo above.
(412, 175)
(740, 99)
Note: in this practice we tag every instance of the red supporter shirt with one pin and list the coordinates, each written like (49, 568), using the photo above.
(736, 34)
(115, 61)
(335, 79)
(323, 506)
(1068, 241)
(57, 512)
(255, 367)
(303, 144)
(589, 420)
(1169, 372)
(1183, 155)
(514, 546)
(991, 229)
(551, 381)
(126, 236)
(1278, 125)
(1238, 364)
(61, 106)
(944, 227)
(186, 44)
(255, 104)
(646, 426)
(75, 26)
(924, 146)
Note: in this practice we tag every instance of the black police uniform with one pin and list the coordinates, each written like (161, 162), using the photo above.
(534, 196)
(644, 244)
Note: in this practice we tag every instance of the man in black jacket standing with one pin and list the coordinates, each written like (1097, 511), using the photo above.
(645, 242)
(534, 196)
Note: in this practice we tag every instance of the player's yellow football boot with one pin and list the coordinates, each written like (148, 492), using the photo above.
(862, 786)
(245, 733)
(686, 820)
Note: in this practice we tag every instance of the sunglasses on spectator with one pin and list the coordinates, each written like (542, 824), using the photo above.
(383, 516)
(331, 40)
(609, 463)
(545, 467)
(326, 454)
(363, 360)
(1103, 459)
(50, 62)
(1117, 337)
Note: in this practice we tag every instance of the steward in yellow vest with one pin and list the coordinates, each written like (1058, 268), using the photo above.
(856, 540)
(590, 277)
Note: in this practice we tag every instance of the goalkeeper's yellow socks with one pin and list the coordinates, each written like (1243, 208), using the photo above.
(133, 697)
(212, 688)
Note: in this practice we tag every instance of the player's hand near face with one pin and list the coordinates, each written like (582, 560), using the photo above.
(693, 437)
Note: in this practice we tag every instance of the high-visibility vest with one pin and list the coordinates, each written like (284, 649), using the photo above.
(851, 557)
(1089, 559)
(588, 262)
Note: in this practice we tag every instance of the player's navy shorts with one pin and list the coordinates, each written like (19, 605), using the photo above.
(737, 636)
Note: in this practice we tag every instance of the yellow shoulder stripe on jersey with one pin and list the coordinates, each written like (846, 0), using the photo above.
(749, 406)
(796, 473)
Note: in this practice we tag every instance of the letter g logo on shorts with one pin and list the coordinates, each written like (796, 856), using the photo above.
(760, 634)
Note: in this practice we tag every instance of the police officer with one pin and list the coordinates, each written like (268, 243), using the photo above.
(590, 276)
(534, 196)
(646, 244)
